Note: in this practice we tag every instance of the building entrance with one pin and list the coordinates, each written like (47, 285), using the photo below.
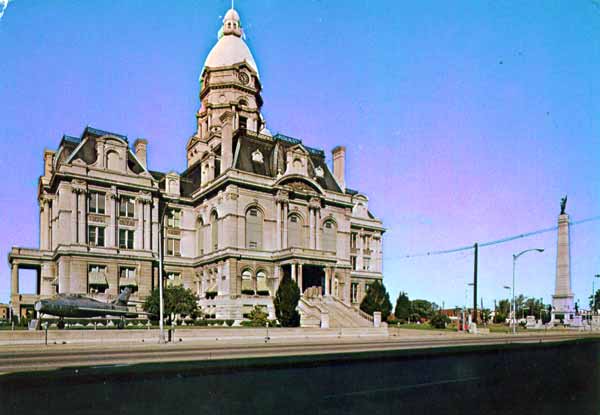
(313, 276)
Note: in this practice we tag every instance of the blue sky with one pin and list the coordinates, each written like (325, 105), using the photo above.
(464, 121)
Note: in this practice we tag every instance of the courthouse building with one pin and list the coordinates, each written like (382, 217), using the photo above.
(250, 208)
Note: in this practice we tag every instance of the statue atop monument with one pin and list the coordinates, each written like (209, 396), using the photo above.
(563, 205)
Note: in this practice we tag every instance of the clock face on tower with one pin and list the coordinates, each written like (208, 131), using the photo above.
(243, 77)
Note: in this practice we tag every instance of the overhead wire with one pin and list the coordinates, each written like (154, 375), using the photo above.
(495, 242)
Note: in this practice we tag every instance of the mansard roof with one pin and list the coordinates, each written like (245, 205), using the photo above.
(274, 158)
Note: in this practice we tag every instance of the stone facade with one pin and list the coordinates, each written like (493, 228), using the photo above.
(250, 208)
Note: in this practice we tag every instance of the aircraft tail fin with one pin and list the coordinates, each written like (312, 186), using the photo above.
(123, 297)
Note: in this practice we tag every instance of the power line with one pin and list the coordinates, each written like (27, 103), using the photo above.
(497, 241)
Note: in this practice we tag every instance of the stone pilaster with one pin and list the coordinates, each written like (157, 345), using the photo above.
(111, 229)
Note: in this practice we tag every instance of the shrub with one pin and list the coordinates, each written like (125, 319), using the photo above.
(229, 322)
(248, 292)
(286, 301)
(263, 292)
(439, 321)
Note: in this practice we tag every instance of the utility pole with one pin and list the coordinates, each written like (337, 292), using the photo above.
(476, 246)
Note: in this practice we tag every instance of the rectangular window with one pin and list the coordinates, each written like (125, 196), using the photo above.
(243, 123)
(96, 235)
(125, 239)
(353, 240)
(96, 202)
(174, 219)
(97, 282)
(173, 279)
(354, 292)
(127, 273)
(126, 207)
(353, 261)
(173, 247)
(366, 241)
(366, 264)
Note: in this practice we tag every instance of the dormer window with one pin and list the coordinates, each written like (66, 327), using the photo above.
(257, 156)
(319, 171)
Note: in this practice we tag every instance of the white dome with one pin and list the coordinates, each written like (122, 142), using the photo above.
(228, 51)
(231, 14)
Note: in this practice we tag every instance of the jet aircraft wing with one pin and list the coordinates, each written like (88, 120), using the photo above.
(113, 312)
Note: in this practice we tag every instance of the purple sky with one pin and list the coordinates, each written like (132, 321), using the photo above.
(464, 121)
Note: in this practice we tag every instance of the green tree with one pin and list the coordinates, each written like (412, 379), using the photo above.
(439, 321)
(402, 311)
(286, 301)
(177, 300)
(377, 299)
(421, 308)
(595, 301)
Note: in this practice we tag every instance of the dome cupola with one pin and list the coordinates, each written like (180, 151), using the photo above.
(230, 48)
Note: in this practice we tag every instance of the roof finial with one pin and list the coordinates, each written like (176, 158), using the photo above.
(233, 4)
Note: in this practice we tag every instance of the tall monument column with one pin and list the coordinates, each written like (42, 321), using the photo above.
(562, 300)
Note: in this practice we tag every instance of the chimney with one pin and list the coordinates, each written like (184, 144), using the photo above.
(48, 163)
(141, 148)
(339, 165)
(226, 141)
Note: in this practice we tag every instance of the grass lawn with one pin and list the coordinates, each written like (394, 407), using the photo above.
(424, 326)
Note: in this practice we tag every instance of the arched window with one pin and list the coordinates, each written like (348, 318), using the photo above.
(247, 285)
(113, 161)
(329, 236)
(261, 283)
(199, 237)
(214, 231)
(295, 231)
(254, 228)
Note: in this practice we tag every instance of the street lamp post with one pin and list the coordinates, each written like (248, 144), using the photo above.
(515, 257)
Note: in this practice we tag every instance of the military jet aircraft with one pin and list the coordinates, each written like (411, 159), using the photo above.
(80, 306)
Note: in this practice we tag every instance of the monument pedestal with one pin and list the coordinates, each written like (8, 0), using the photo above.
(563, 306)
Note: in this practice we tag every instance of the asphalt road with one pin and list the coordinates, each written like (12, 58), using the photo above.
(35, 358)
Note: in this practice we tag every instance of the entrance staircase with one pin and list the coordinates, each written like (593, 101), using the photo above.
(340, 315)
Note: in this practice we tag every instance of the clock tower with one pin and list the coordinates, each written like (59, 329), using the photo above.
(229, 96)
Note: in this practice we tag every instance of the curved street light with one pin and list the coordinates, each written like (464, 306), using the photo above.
(514, 310)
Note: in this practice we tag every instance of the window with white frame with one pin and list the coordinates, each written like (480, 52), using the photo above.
(173, 247)
(126, 239)
(96, 202)
(254, 228)
(96, 235)
(127, 207)
(329, 236)
(174, 219)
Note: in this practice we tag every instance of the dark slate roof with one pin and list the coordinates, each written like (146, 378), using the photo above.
(190, 179)
(99, 133)
(351, 191)
(274, 156)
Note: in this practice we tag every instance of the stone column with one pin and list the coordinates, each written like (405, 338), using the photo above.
(277, 277)
(155, 222)
(300, 279)
(82, 217)
(327, 275)
(317, 229)
(74, 214)
(278, 227)
(14, 279)
(147, 223)
(285, 225)
(111, 238)
(44, 223)
(294, 273)
(311, 228)
(562, 300)
(139, 226)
